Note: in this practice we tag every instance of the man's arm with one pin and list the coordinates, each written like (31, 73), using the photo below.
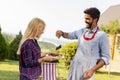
(90, 72)
(60, 33)
(100, 64)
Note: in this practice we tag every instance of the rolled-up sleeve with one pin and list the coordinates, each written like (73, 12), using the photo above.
(105, 49)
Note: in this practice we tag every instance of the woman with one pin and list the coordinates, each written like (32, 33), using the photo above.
(30, 52)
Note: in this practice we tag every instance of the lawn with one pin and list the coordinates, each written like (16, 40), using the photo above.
(9, 70)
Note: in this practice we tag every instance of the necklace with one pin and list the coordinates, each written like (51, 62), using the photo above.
(86, 38)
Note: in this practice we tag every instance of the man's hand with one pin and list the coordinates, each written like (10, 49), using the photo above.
(88, 74)
(59, 33)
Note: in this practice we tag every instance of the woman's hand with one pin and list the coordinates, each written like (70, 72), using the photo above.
(48, 59)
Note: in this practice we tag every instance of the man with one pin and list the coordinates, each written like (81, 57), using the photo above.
(93, 47)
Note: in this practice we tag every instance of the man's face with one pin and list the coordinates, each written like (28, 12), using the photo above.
(88, 21)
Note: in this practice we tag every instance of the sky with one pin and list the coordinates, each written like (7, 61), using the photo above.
(66, 15)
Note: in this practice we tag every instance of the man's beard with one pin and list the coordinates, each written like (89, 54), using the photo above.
(88, 25)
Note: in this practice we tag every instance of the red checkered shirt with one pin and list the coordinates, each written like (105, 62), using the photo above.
(28, 64)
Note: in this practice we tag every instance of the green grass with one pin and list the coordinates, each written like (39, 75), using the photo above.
(9, 70)
(103, 75)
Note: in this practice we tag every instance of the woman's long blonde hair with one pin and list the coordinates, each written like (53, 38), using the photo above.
(31, 31)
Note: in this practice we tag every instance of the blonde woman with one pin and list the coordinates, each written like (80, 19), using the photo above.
(30, 52)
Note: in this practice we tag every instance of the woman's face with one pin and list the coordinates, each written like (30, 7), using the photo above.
(40, 30)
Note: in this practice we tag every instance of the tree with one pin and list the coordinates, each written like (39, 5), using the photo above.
(111, 28)
(14, 46)
(3, 47)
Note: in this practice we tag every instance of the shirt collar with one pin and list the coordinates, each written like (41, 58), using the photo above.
(94, 29)
(91, 31)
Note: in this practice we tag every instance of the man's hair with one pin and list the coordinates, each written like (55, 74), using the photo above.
(93, 12)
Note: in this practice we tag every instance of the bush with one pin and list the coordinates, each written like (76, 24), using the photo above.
(69, 51)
